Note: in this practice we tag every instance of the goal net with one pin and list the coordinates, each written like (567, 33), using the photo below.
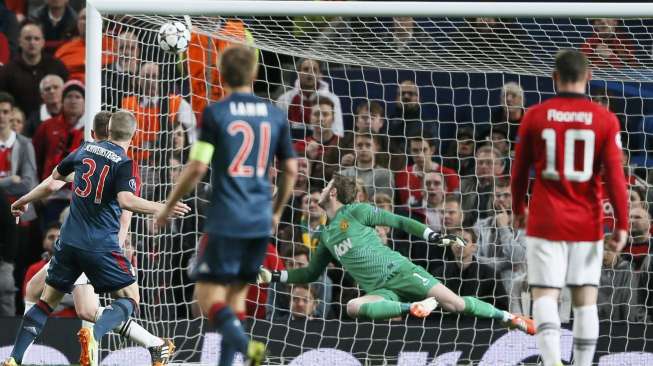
(443, 95)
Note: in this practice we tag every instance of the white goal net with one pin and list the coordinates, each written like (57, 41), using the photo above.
(441, 95)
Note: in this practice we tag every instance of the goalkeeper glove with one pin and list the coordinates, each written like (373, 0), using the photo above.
(266, 276)
(445, 240)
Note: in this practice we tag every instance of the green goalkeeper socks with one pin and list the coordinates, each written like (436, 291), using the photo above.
(383, 309)
(481, 309)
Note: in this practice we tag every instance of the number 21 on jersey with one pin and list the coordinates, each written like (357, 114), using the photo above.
(237, 168)
(571, 137)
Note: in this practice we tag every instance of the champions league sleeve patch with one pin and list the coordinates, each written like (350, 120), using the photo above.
(132, 184)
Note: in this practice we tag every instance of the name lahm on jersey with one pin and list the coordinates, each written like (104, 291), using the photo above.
(248, 109)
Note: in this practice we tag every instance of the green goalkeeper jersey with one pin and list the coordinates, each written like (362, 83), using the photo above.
(350, 238)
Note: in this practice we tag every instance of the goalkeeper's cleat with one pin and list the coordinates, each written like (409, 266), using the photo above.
(523, 323)
(10, 362)
(424, 308)
(162, 354)
(255, 353)
(88, 346)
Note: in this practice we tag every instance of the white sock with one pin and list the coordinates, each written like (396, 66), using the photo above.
(28, 305)
(547, 321)
(586, 333)
(132, 330)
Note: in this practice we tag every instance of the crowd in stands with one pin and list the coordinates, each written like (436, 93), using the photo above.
(459, 185)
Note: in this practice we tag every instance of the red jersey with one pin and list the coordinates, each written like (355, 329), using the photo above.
(53, 140)
(410, 187)
(568, 140)
(257, 296)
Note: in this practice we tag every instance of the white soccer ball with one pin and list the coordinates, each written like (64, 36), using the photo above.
(174, 37)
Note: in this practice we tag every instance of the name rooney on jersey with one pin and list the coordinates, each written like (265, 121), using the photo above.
(566, 116)
(248, 109)
(98, 150)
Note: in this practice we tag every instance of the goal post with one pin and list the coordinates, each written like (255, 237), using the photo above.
(460, 81)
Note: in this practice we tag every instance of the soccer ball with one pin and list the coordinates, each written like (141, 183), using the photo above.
(174, 37)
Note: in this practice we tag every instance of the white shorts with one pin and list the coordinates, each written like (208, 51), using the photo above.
(82, 280)
(557, 264)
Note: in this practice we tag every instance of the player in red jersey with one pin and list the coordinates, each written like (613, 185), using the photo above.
(572, 144)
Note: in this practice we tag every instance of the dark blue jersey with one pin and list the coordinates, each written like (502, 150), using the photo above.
(247, 132)
(102, 169)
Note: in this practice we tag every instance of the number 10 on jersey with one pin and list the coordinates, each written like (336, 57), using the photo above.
(572, 136)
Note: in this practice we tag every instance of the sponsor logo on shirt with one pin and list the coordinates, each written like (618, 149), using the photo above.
(344, 225)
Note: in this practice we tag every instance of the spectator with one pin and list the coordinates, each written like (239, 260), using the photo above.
(303, 303)
(157, 114)
(17, 164)
(49, 238)
(500, 247)
(10, 18)
(51, 90)
(454, 217)
(58, 20)
(435, 186)
(5, 55)
(202, 56)
(467, 277)
(409, 182)
(303, 177)
(73, 52)
(119, 78)
(257, 295)
(407, 121)
(460, 153)
(496, 41)
(498, 139)
(376, 179)
(313, 219)
(369, 118)
(619, 299)
(60, 135)
(510, 111)
(383, 201)
(361, 192)
(7, 256)
(639, 241)
(322, 147)
(477, 189)
(21, 76)
(297, 256)
(180, 145)
(17, 120)
(298, 102)
(66, 308)
(609, 46)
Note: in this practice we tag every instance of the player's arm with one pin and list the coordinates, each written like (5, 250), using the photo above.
(200, 157)
(126, 187)
(520, 171)
(319, 261)
(125, 222)
(61, 174)
(373, 216)
(615, 181)
(287, 175)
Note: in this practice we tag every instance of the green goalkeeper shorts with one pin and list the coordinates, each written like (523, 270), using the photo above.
(409, 283)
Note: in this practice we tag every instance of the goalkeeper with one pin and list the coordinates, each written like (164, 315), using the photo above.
(393, 285)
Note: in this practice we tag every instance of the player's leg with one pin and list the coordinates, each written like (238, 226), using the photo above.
(545, 287)
(583, 276)
(34, 287)
(379, 304)
(223, 263)
(109, 272)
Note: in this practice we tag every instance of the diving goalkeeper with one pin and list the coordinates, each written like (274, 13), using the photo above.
(393, 285)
